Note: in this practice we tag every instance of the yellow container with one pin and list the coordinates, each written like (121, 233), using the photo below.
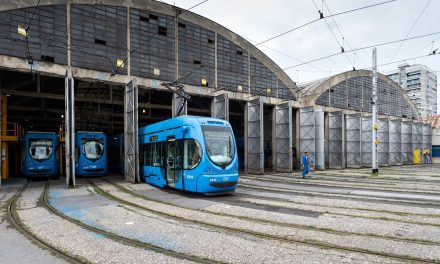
(417, 156)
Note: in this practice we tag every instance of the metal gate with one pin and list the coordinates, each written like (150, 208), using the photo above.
(427, 139)
(383, 150)
(353, 134)
(220, 107)
(395, 142)
(69, 105)
(335, 140)
(367, 128)
(417, 138)
(307, 133)
(283, 137)
(319, 140)
(407, 152)
(255, 137)
(131, 132)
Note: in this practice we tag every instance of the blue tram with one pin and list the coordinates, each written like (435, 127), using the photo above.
(189, 153)
(39, 155)
(90, 154)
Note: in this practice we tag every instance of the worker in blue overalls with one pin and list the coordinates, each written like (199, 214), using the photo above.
(305, 164)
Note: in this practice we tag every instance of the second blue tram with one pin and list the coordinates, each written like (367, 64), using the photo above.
(190, 153)
(90, 154)
(39, 155)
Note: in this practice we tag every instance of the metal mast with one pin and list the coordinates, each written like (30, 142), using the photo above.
(375, 140)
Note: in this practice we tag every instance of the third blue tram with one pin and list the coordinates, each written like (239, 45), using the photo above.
(189, 153)
(40, 155)
(90, 154)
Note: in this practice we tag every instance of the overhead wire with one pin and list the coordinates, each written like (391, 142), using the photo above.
(411, 29)
(342, 35)
(282, 53)
(379, 65)
(321, 17)
(333, 34)
(362, 48)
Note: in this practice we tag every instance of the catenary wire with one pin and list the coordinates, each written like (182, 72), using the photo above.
(333, 34)
(342, 35)
(411, 29)
(315, 20)
(362, 48)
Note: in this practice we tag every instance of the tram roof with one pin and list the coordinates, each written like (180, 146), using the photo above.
(180, 121)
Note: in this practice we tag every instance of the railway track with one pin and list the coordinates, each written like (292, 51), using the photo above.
(397, 213)
(14, 219)
(122, 239)
(354, 179)
(341, 195)
(267, 236)
(318, 183)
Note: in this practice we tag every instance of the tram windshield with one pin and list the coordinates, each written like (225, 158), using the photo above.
(40, 149)
(219, 144)
(93, 148)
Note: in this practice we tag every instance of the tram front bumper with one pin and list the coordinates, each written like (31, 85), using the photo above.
(217, 183)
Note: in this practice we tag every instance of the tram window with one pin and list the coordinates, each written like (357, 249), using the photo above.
(179, 154)
(40, 149)
(151, 154)
(156, 154)
(93, 148)
(76, 153)
(192, 153)
(219, 144)
(147, 155)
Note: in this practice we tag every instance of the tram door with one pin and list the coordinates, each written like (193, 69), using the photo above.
(173, 161)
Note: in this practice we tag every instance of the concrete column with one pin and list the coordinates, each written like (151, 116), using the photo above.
(298, 149)
(274, 149)
(344, 143)
(4, 144)
(246, 138)
(176, 43)
(128, 42)
(216, 61)
(69, 52)
(326, 139)
(249, 73)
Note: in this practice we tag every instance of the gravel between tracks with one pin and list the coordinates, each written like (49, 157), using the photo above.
(77, 241)
(208, 242)
(349, 241)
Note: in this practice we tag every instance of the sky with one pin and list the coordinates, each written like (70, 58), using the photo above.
(258, 20)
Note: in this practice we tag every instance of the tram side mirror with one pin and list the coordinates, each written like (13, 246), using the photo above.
(185, 129)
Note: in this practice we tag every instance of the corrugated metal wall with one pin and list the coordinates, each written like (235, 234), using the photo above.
(406, 140)
(335, 142)
(98, 37)
(47, 33)
(383, 150)
(395, 142)
(367, 127)
(353, 135)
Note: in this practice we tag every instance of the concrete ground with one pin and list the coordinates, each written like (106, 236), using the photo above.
(14, 247)
(334, 216)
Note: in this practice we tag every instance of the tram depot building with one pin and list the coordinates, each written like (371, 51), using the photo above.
(117, 55)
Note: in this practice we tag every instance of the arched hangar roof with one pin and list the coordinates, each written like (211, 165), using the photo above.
(352, 90)
(170, 10)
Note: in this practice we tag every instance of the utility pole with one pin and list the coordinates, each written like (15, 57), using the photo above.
(375, 126)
